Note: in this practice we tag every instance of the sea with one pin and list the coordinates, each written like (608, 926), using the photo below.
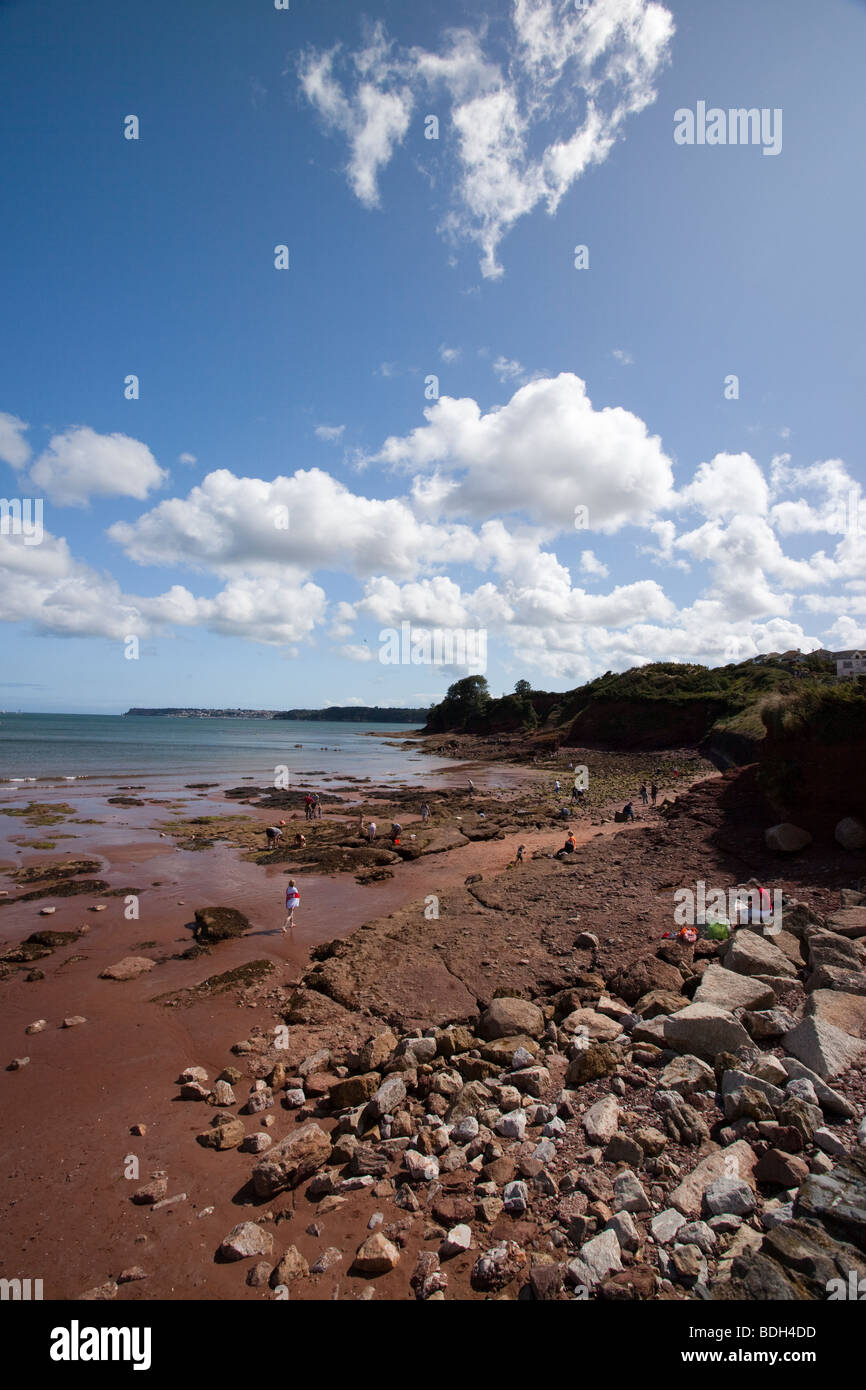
(158, 749)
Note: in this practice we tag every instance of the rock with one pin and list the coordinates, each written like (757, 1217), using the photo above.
(769, 1023)
(38, 1027)
(748, 1103)
(781, 1169)
(151, 1192)
(838, 1200)
(687, 1264)
(592, 1025)
(700, 1234)
(846, 1012)
(546, 1281)
(512, 1125)
(828, 1099)
(639, 1282)
(850, 833)
(729, 990)
(521, 1058)
(457, 1241)
(601, 1121)
(628, 1195)
(465, 1130)
(377, 1051)
(388, 1098)
(328, 1258)
(193, 1090)
(294, 1098)
(531, 1081)
(601, 1256)
(823, 1048)
(729, 1195)
(848, 922)
(133, 1275)
(222, 1094)
(623, 1149)
(256, 1144)
(420, 1167)
(803, 1089)
(683, 1123)
(597, 1060)
(659, 1001)
(355, 1090)
(291, 1161)
(499, 1266)
(377, 1255)
(213, 924)
(506, 1017)
(259, 1275)
(291, 1266)
(127, 969)
(651, 1140)
(625, 1231)
(786, 838)
(245, 1241)
(228, 1135)
(688, 1196)
(705, 1030)
(749, 953)
(516, 1198)
(687, 1076)
(828, 1142)
(633, 981)
(260, 1101)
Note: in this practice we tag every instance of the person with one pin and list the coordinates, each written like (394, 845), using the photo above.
(300, 841)
(308, 806)
(569, 847)
(293, 900)
(425, 813)
(577, 794)
(396, 828)
(563, 813)
(371, 831)
(317, 806)
(471, 786)
(654, 791)
(521, 850)
(643, 793)
(628, 812)
(274, 835)
(556, 787)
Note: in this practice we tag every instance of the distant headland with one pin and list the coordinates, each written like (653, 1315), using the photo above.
(344, 714)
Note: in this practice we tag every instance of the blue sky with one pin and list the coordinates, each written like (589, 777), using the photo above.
(717, 527)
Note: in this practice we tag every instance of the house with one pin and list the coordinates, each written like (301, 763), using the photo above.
(850, 664)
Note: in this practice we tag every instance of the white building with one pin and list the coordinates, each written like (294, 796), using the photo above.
(850, 664)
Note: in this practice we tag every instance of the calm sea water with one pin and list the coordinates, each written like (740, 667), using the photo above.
(117, 748)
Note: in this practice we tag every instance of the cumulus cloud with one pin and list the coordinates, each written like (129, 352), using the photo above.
(14, 448)
(545, 453)
(528, 120)
(81, 464)
(330, 433)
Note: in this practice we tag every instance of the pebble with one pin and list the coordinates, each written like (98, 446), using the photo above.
(73, 1021)
(38, 1027)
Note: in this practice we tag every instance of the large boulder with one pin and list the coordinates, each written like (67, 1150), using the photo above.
(850, 833)
(786, 838)
(631, 982)
(823, 1048)
(848, 921)
(219, 924)
(505, 1017)
(591, 1024)
(730, 990)
(838, 1199)
(748, 953)
(291, 1161)
(705, 1030)
(844, 1011)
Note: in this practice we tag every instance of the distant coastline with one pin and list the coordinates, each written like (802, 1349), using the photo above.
(345, 714)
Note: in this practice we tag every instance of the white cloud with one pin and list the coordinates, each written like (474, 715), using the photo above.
(330, 433)
(544, 453)
(508, 369)
(527, 124)
(14, 448)
(187, 458)
(81, 464)
(731, 485)
(592, 566)
(624, 358)
(450, 354)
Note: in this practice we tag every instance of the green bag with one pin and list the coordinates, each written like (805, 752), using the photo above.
(717, 931)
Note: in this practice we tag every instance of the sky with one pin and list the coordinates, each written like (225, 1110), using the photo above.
(329, 326)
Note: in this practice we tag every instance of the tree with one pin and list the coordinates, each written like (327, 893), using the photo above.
(523, 689)
(464, 700)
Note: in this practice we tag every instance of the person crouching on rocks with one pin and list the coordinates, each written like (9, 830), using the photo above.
(293, 900)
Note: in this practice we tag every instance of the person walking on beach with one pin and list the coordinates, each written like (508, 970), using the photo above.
(556, 787)
(274, 834)
(308, 806)
(317, 806)
(521, 851)
(293, 900)
(371, 831)
(654, 791)
(425, 813)
(643, 793)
